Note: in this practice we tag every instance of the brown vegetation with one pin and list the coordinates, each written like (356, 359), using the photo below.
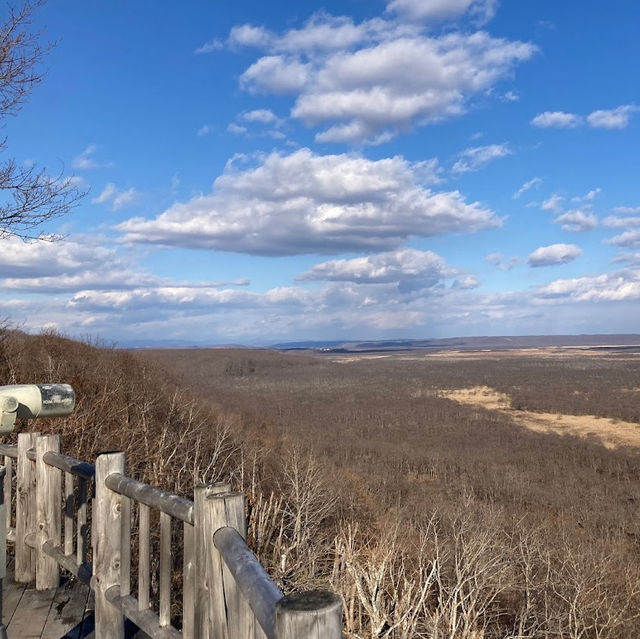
(433, 518)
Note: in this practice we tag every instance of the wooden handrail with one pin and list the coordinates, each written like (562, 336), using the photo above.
(70, 465)
(162, 500)
(226, 591)
(254, 583)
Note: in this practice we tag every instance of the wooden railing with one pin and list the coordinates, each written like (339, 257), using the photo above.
(84, 526)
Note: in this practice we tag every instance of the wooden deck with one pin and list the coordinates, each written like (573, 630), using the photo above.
(64, 612)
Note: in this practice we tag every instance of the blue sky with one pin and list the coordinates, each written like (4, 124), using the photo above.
(326, 170)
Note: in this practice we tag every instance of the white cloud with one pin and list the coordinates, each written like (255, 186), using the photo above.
(627, 210)
(554, 254)
(410, 269)
(236, 128)
(475, 158)
(107, 194)
(466, 282)
(587, 197)
(276, 74)
(205, 129)
(86, 161)
(263, 116)
(617, 118)
(553, 203)
(533, 183)
(210, 47)
(66, 265)
(117, 199)
(370, 81)
(247, 35)
(482, 10)
(615, 222)
(577, 221)
(79, 264)
(607, 287)
(501, 263)
(306, 203)
(628, 239)
(557, 120)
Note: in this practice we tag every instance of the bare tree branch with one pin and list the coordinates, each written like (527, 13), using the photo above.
(29, 196)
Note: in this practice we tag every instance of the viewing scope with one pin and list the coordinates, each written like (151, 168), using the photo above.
(30, 401)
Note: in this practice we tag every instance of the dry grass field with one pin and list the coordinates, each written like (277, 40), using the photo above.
(611, 433)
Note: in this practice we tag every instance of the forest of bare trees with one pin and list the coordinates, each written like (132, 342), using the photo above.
(431, 518)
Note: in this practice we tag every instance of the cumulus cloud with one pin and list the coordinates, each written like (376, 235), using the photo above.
(481, 10)
(65, 266)
(554, 254)
(556, 120)
(81, 263)
(263, 116)
(367, 82)
(615, 222)
(475, 158)
(533, 183)
(466, 282)
(205, 129)
(617, 118)
(410, 269)
(607, 287)
(577, 221)
(117, 199)
(276, 74)
(306, 203)
(320, 34)
(628, 239)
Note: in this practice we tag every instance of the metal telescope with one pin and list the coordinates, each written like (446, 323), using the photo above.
(30, 401)
(27, 401)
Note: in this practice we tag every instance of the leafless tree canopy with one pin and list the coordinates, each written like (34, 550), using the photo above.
(30, 195)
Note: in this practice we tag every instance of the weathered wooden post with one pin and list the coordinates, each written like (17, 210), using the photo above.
(107, 547)
(25, 560)
(231, 615)
(48, 511)
(202, 542)
(316, 614)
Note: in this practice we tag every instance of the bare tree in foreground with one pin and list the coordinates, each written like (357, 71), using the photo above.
(29, 195)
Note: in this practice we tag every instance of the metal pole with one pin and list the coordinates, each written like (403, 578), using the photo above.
(3, 547)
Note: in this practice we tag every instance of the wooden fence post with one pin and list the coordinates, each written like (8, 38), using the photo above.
(203, 540)
(25, 561)
(107, 550)
(316, 614)
(230, 613)
(48, 511)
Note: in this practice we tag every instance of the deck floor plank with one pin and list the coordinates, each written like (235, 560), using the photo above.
(60, 613)
(31, 614)
(67, 612)
(11, 595)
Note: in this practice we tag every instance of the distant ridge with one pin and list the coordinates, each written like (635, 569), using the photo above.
(465, 343)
